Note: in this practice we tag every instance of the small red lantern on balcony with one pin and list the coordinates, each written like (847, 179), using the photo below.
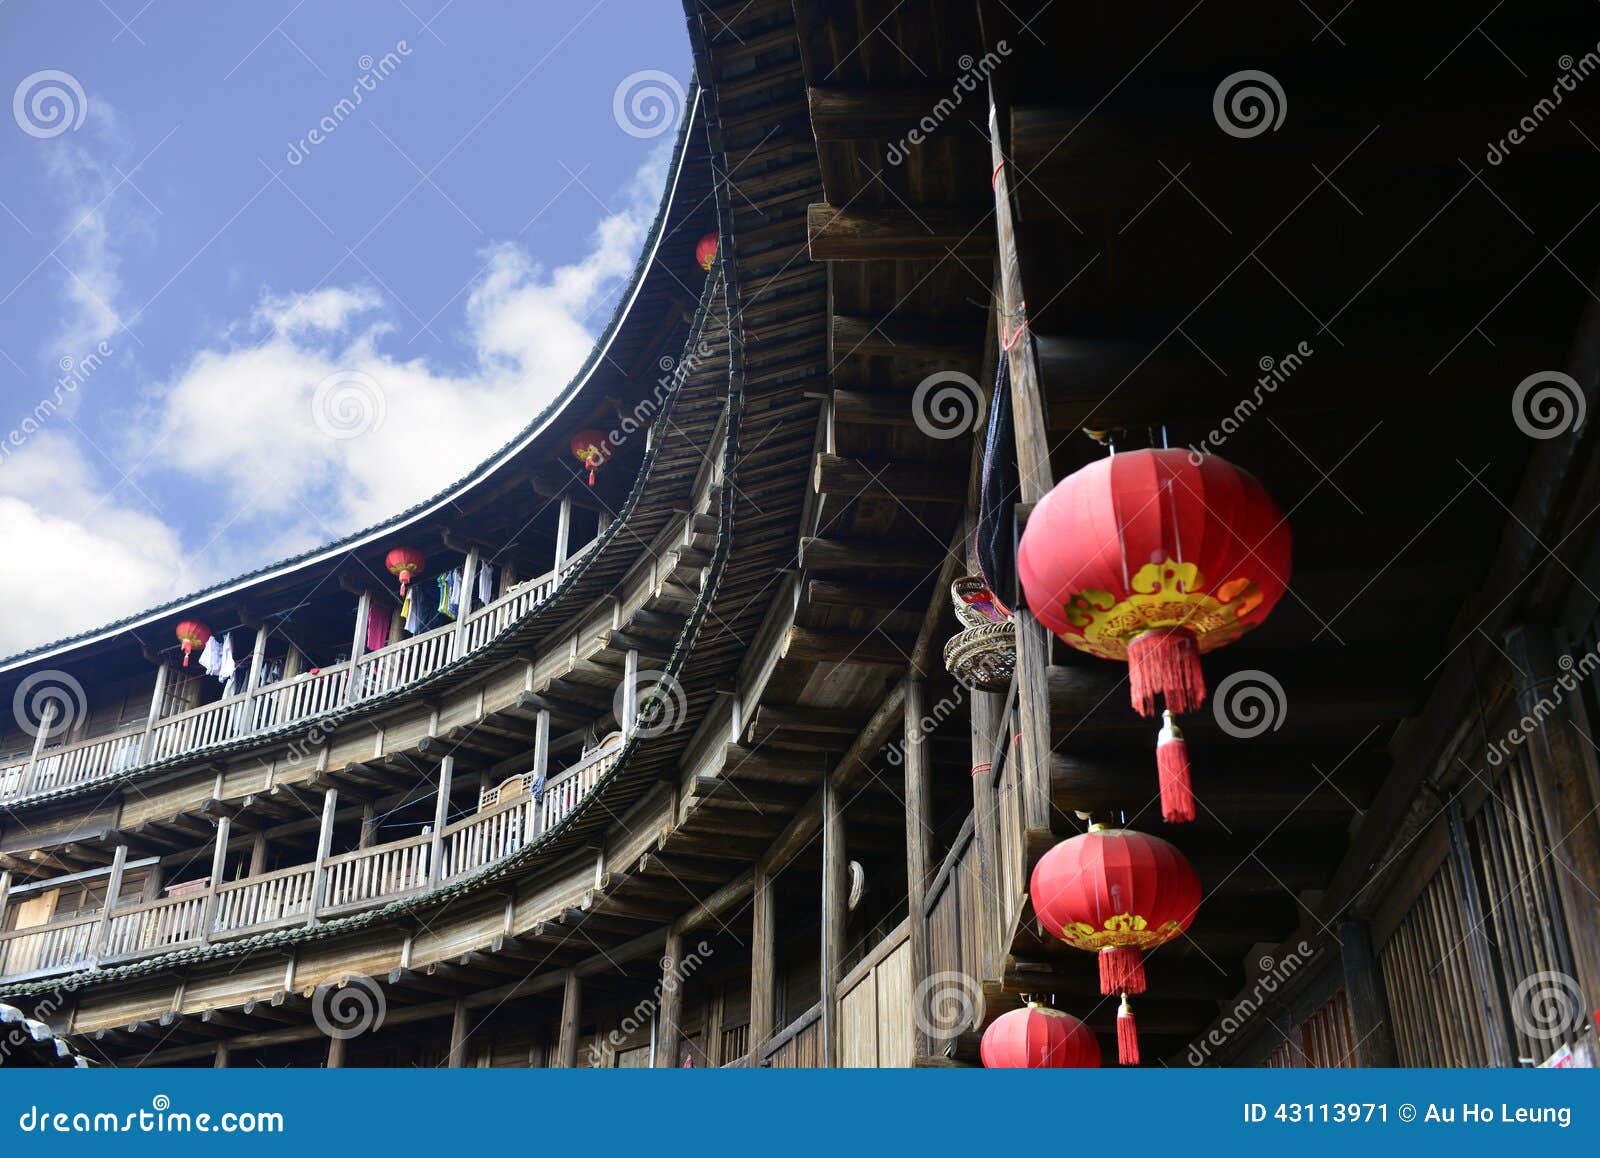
(706, 251)
(1153, 557)
(1116, 893)
(405, 562)
(1037, 1037)
(191, 634)
(592, 448)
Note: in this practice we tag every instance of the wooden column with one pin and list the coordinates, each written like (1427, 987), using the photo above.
(258, 659)
(1566, 777)
(670, 1019)
(919, 831)
(113, 886)
(541, 760)
(154, 715)
(630, 692)
(358, 643)
(571, 1015)
(369, 826)
(835, 915)
(46, 722)
(1369, 1005)
(219, 864)
(258, 854)
(469, 577)
(563, 532)
(441, 816)
(5, 892)
(336, 1053)
(711, 1030)
(222, 1056)
(988, 722)
(763, 963)
(458, 1036)
(330, 805)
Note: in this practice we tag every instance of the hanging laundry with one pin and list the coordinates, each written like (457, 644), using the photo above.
(211, 656)
(453, 608)
(413, 611)
(444, 594)
(486, 583)
(225, 664)
(378, 617)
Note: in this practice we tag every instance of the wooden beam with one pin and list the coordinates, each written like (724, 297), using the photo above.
(908, 482)
(927, 233)
(871, 648)
(881, 111)
(952, 343)
(855, 558)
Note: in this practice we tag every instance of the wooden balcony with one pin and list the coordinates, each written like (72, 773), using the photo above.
(332, 887)
(301, 698)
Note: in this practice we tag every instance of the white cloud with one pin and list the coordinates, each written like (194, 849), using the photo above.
(238, 420)
(79, 558)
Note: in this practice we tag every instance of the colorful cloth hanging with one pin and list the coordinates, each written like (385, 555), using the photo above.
(997, 495)
(378, 618)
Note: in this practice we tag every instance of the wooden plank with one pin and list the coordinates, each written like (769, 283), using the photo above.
(927, 233)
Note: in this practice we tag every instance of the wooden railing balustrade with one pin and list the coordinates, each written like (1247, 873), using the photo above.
(294, 700)
(349, 881)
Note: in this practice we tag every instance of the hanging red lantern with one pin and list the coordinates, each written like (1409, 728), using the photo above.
(1038, 1037)
(406, 562)
(1115, 893)
(706, 251)
(1154, 558)
(592, 448)
(191, 634)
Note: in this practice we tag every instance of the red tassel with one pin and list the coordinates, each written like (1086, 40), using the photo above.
(1172, 762)
(1121, 970)
(1127, 1035)
(1166, 663)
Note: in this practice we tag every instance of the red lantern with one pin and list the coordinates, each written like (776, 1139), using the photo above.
(405, 562)
(192, 634)
(1037, 1037)
(1116, 893)
(592, 448)
(1152, 557)
(706, 251)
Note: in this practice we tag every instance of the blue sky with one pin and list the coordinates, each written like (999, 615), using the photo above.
(243, 311)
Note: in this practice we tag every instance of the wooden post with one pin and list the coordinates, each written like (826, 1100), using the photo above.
(835, 915)
(919, 828)
(711, 1030)
(441, 815)
(469, 576)
(369, 826)
(763, 963)
(1369, 1006)
(258, 660)
(571, 1014)
(336, 1053)
(358, 643)
(987, 722)
(258, 854)
(154, 715)
(671, 1012)
(630, 693)
(458, 1036)
(330, 805)
(222, 1058)
(113, 886)
(541, 760)
(5, 891)
(1567, 781)
(563, 533)
(46, 722)
(219, 864)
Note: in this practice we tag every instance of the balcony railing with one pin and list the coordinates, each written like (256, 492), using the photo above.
(336, 886)
(295, 700)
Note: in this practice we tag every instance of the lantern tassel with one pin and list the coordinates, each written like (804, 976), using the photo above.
(1127, 1035)
(1172, 763)
(1121, 970)
(1166, 663)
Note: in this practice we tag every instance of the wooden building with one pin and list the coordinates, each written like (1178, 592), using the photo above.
(688, 781)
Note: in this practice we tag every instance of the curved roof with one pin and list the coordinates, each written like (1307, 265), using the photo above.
(669, 215)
